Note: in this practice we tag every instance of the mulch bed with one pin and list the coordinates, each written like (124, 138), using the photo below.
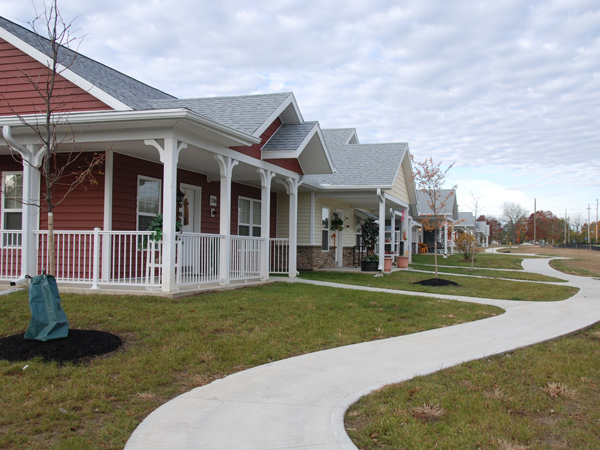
(78, 347)
(436, 282)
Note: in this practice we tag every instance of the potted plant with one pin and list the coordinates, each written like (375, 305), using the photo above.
(156, 227)
(337, 224)
(370, 233)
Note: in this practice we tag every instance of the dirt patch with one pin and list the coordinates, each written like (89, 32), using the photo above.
(79, 346)
(436, 282)
(582, 259)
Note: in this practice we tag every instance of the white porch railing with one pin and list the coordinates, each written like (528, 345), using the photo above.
(245, 257)
(198, 258)
(129, 258)
(10, 254)
(279, 255)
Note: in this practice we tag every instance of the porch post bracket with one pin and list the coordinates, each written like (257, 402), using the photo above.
(162, 151)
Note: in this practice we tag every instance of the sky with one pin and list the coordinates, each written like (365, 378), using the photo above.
(506, 90)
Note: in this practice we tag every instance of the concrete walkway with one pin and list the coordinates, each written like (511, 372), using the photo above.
(299, 403)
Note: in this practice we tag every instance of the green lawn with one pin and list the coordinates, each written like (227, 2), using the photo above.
(543, 397)
(172, 346)
(493, 273)
(482, 260)
(468, 286)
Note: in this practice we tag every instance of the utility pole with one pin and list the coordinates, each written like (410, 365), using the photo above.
(589, 226)
(596, 221)
(565, 238)
(534, 221)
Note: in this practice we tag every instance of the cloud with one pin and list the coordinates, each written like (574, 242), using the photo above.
(505, 86)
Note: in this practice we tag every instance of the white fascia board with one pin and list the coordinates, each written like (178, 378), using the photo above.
(327, 154)
(68, 74)
(144, 117)
(290, 100)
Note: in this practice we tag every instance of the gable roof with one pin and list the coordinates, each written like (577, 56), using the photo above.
(450, 208)
(341, 136)
(111, 86)
(359, 165)
(251, 114)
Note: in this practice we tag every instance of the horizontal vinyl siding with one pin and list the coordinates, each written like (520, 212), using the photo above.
(304, 219)
(349, 234)
(399, 189)
(20, 97)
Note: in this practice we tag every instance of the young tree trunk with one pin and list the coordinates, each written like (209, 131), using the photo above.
(51, 269)
(435, 238)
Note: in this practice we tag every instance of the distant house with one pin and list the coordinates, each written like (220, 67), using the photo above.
(227, 168)
(370, 180)
(447, 215)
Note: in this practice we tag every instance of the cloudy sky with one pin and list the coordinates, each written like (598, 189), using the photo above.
(507, 90)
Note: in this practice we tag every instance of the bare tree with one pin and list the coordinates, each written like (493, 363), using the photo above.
(515, 215)
(429, 178)
(475, 208)
(63, 168)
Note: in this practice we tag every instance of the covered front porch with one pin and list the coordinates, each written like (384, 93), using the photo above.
(174, 150)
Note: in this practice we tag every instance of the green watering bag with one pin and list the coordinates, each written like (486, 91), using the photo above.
(48, 319)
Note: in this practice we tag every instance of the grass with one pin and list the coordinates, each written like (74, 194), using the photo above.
(468, 286)
(172, 346)
(574, 267)
(492, 273)
(482, 260)
(542, 397)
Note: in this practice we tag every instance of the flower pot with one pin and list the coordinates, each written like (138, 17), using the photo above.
(402, 262)
(369, 266)
(387, 263)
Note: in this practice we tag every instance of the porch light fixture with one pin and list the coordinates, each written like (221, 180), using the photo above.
(180, 196)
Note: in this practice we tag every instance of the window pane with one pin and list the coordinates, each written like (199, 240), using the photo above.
(256, 213)
(12, 221)
(256, 231)
(244, 230)
(324, 240)
(144, 222)
(244, 211)
(13, 187)
(149, 196)
(325, 218)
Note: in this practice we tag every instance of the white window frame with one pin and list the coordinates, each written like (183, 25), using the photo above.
(251, 225)
(138, 213)
(325, 228)
(5, 210)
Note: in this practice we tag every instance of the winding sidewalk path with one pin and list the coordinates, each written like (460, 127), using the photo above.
(299, 403)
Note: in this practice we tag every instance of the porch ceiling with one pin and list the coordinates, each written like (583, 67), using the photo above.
(365, 200)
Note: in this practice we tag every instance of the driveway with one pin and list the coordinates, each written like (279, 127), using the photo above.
(299, 403)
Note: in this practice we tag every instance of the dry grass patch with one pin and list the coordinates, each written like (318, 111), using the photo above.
(428, 412)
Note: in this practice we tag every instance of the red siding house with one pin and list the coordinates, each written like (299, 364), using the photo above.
(200, 162)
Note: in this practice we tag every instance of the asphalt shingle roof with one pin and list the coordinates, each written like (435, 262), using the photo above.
(129, 91)
(289, 136)
(360, 164)
(244, 113)
(338, 136)
(448, 208)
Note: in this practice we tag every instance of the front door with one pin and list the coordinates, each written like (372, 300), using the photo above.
(191, 211)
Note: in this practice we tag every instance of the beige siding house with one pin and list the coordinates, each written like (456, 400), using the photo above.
(370, 180)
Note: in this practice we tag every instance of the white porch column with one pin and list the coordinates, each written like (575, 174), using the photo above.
(445, 239)
(32, 157)
(108, 208)
(169, 156)
(393, 234)
(226, 165)
(405, 228)
(291, 187)
(409, 236)
(381, 198)
(265, 220)
(32, 160)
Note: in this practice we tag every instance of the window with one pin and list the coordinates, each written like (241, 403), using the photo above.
(12, 206)
(325, 229)
(148, 201)
(249, 217)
